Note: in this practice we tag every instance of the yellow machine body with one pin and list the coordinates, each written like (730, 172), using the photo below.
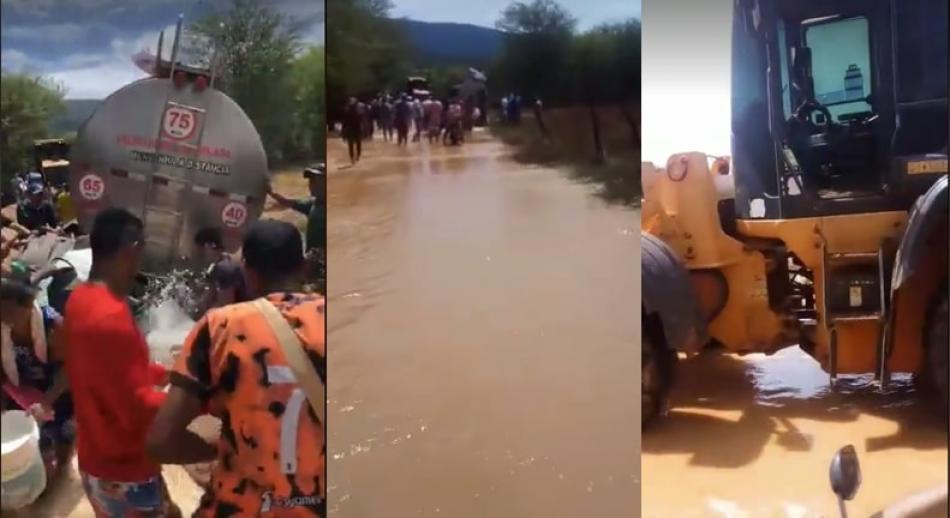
(681, 207)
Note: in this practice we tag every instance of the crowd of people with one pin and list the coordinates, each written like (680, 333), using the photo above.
(255, 360)
(40, 209)
(402, 118)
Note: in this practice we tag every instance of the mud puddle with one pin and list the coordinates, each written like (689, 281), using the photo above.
(754, 437)
(482, 327)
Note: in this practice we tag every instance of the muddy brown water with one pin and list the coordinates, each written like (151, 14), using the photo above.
(483, 324)
(754, 436)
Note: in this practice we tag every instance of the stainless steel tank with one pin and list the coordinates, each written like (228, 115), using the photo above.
(177, 153)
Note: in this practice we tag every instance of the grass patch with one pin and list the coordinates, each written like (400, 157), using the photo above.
(570, 145)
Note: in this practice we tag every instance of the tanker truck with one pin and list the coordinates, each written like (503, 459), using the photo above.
(169, 148)
(173, 150)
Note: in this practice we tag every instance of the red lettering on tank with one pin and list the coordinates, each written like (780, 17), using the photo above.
(132, 141)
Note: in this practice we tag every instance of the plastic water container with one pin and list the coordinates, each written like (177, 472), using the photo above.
(22, 473)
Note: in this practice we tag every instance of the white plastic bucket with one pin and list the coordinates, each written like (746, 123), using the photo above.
(22, 473)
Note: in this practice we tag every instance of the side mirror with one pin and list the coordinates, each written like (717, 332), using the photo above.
(845, 473)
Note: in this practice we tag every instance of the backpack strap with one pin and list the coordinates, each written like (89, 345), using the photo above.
(297, 359)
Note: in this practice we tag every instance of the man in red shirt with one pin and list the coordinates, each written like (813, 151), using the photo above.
(112, 379)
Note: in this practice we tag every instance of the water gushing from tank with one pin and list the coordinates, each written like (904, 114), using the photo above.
(166, 310)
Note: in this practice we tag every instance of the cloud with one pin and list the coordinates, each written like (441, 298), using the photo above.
(57, 32)
(13, 59)
(87, 45)
(105, 73)
(315, 36)
(48, 8)
(29, 7)
(96, 82)
(91, 74)
(82, 60)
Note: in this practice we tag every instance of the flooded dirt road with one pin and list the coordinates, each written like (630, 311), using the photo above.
(755, 436)
(482, 329)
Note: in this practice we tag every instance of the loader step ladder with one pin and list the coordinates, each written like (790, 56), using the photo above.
(181, 124)
(856, 289)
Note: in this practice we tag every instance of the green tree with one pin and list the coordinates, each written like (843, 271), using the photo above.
(606, 71)
(256, 50)
(536, 49)
(625, 79)
(592, 69)
(308, 132)
(367, 53)
(443, 78)
(27, 103)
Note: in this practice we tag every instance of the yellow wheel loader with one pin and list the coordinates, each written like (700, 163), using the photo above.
(827, 227)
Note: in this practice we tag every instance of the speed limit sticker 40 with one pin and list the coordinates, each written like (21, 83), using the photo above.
(179, 123)
(234, 214)
(92, 187)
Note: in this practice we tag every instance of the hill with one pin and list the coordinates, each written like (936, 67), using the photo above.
(434, 43)
(437, 43)
(77, 111)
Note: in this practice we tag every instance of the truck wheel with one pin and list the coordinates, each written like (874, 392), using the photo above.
(656, 377)
(938, 347)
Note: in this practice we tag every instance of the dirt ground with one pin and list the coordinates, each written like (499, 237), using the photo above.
(754, 436)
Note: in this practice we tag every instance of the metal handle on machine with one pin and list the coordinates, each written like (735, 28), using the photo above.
(669, 171)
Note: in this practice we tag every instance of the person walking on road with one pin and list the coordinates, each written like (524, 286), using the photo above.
(373, 118)
(366, 120)
(261, 367)
(453, 123)
(353, 130)
(417, 120)
(435, 121)
(386, 118)
(403, 117)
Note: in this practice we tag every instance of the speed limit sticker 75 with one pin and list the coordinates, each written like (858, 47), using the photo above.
(179, 122)
(91, 187)
(234, 214)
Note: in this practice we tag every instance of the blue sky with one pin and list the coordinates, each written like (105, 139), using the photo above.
(484, 12)
(87, 45)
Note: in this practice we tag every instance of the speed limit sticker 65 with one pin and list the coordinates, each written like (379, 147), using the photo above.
(91, 187)
(234, 214)
(179, 123)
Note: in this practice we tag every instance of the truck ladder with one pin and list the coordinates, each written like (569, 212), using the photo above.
(837, 265)
(174, 214)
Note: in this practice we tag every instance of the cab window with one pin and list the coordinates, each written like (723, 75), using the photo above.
(841, 65)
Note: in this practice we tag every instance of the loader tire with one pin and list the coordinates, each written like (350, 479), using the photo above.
(938, 347)
(656, 377)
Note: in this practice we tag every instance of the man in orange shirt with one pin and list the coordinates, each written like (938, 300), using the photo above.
(271, 456)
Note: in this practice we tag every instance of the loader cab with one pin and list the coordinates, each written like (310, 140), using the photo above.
(839, 107)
